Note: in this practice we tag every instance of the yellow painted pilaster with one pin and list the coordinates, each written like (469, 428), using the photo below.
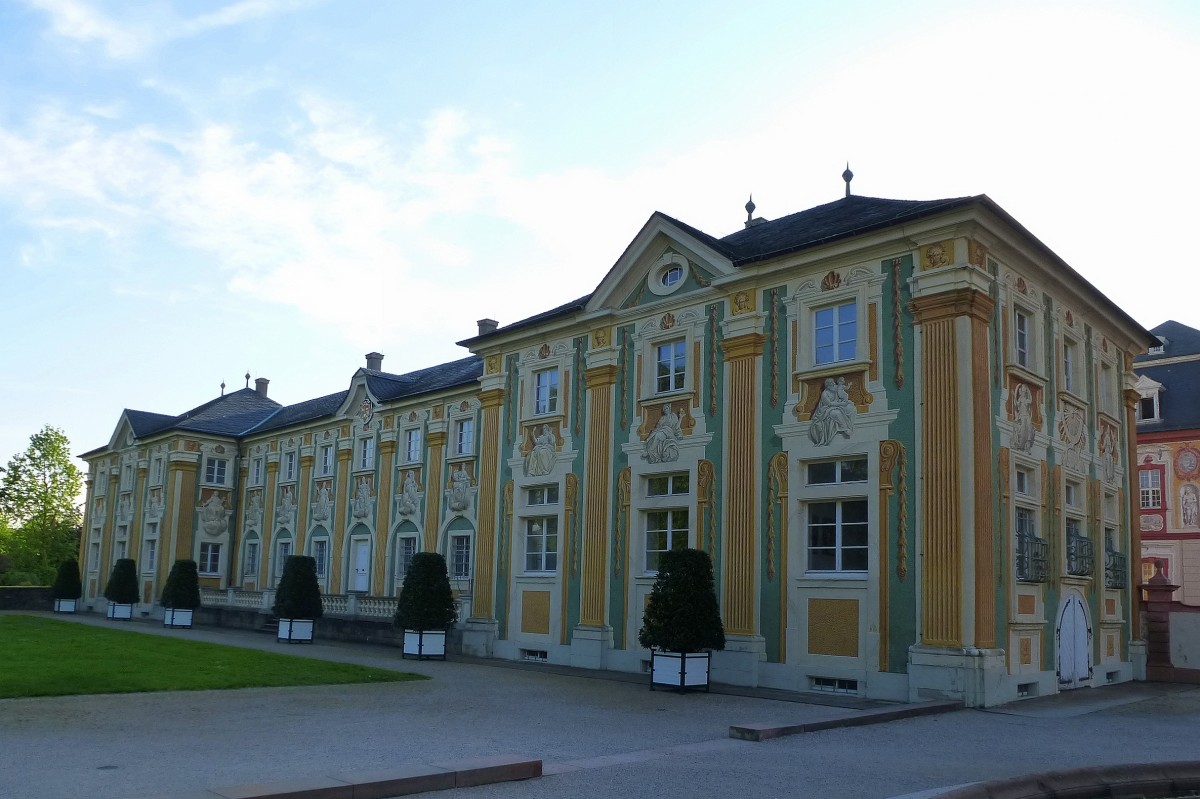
(433, 488)
(185, 510)
(266, 555)
(742, 354)
(484, 597)
(108, 532)
(135, 524)
(303, 501)
(1131, 398)
(345, 490)
(383, 508)
(599, 381)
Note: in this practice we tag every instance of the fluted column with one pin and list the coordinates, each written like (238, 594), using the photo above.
(739, 566)
(599, 380)
(433, 488)
(383, 510)
(483, 600)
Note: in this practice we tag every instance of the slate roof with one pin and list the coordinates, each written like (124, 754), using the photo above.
(301, 412)
(1179, 402)
(145, 423)
(386, 387)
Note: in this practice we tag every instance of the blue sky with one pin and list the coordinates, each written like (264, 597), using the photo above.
(190, 191)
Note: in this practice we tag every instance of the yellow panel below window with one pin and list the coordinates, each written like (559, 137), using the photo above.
(1026, 651)
(1110, 607)
(535, 612)
(1026, 604)
(833, 627)
(1111, 646)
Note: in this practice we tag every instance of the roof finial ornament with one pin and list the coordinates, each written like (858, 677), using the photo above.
(222, 388)
(247, 379)
(847, 176)
(750, 209)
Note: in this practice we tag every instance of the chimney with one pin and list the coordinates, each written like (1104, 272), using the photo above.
(260, 385)
(487, 326)
(375, 361)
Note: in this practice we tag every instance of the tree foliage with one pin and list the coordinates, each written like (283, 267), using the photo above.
(298, 595)
(682, 614)
(122, 585)
(426, 601)
(39, 514)
(68, 584)
(182, 589)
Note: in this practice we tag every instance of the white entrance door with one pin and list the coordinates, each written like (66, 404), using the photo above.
(361, 558)
(1074, 636)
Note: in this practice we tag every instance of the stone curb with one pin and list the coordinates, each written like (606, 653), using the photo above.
(1113, 782)
(381, 784)
(765, 732)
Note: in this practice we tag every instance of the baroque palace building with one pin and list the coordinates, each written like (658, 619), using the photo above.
(1168, 433)
(902, 429)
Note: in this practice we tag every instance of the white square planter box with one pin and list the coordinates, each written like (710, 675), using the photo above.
(679, 671)
(177, 617)
(65, 605)
(121, 612)
(425, 644)
(296, 631)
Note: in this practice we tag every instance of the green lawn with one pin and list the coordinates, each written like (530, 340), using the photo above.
(46, 657)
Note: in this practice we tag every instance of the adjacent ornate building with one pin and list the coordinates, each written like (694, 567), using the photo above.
(1168, 435)
(901, 429)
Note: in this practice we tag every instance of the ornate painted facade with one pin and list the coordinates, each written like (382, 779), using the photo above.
(902, 430)
(1168, 432)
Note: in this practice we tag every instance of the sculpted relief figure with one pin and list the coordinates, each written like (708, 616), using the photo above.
(321, 506)
(408, 495)
(1108, 454)
(1072, 431)
(540, 459)
(1189, 504)
(254, 511)
(834, 414)
(361, 506)
(212, 515)
(662, 445)
(1023, 429)
(460, 489)
(287, 504)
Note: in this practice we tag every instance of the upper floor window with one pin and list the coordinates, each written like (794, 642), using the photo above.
(671, 275)
(1024, 481)
(366, 453)
(464, 437)
(1147, 408)
(671, 366)
(545, 391)
(412, 445)
(214, 470)
(1071, 381)
(1151, 488)
(835, 333)
(326, 460)
(1160, 349)
(256, 471)
(289, 466)
(1107, 388)
(158, 470)
(1021, 349)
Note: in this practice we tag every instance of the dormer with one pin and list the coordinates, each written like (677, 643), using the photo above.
(1149, 391)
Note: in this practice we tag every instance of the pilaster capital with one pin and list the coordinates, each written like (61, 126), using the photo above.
(953, 303)
(436, 438)
(491, 398)
(599, 376)
(747, 345)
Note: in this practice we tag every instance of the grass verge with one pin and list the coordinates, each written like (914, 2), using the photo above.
(47, 657)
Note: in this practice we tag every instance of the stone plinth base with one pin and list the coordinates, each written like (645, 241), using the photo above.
(590, 645)
(738, 663)
(975, 677)
(478, 636)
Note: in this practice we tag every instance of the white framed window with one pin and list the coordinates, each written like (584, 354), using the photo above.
(149, 555)
(412, 445)
(289, 466)
(847, 470)
(542, 495)
(127, 476)
(1024, 481)
(1147, 408)
(545, 391)
(668, 485)
(541, 544)
(366, 453)
(250, 565)
(320, 550)
(158, 470)
(665, 530)
(214, 470)
(283, 550)
(1160, 349)
(670, 371)
(835, 333)
(94, 557)
(464, 437)
(256, 472)
(1021, 340)
(326, 460)
(1073, 495)
(671, 276)
(406, 547)
(1150, 481)
(837, 535)
(210, 558)
(1071, 380)
(1107, 388)
(460, 557)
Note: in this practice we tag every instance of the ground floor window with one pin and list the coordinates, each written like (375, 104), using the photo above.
(210, 558)
(251, 565)
(94, 557)
(460, 557)
(406, 547)
(149, 555)
(541, 544)
(837, 535)
(665, 530)
(283, 550)
(321, 556)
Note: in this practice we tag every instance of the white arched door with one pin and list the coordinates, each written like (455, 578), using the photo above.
(1074, 638)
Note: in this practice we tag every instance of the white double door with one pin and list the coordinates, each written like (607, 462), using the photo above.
(1074, 638)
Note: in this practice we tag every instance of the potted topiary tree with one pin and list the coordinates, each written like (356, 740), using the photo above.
(122, 589)
(298, 599)
(181, 594)
(426, 607)
(682, 622)
(67, 587)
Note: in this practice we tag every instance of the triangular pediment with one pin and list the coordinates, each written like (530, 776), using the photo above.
(1147, 386)
(123, 435)
(665, 259)
(360, 404)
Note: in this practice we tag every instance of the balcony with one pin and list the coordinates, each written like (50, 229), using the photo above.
(1081, 556)
(1031, 558)
(1116, 567)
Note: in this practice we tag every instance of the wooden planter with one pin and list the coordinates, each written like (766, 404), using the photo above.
(65, 605)
(424, 644)
(681, 671)
(177, 617)
(296, 631)
(119, 611)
